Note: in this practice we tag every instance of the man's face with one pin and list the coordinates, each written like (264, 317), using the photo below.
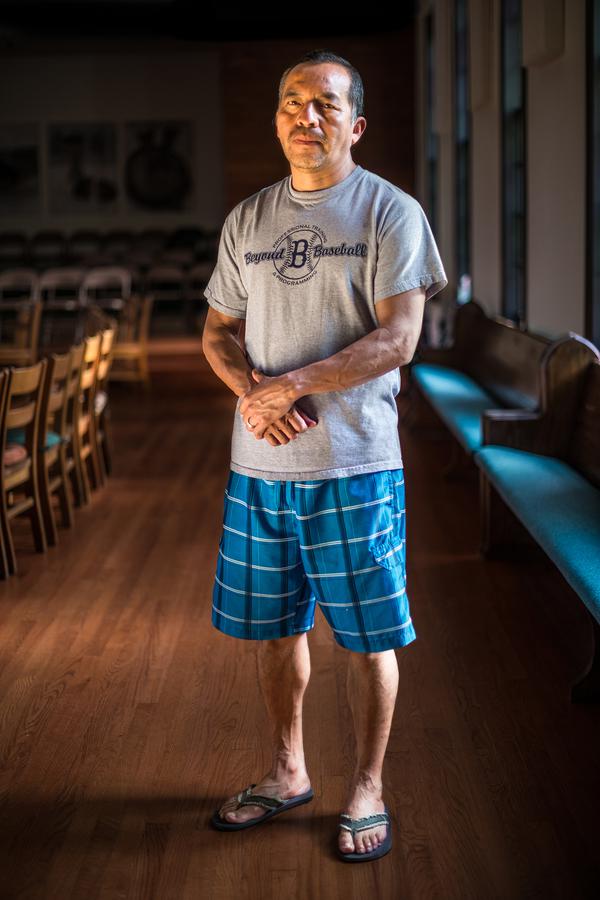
(314, 118)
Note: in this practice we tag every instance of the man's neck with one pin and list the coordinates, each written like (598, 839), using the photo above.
(303, 180)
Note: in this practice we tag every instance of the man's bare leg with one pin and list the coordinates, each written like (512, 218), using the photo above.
(284, 671)
(372, 686)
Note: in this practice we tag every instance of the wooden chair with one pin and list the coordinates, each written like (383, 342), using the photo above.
(101, 404)
(59, 287)
(114, 281)
(84, 437)
(167, 285)
(54, 437)
(83, 245)
(70, 448)
(48, 248)
(18, 283)
(20, 322)
(21, 409)
(54, 434)
(4, 460)
(130, 351)
(14, 249)
(64, 316)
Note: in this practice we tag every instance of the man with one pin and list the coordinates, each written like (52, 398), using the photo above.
(318, 295)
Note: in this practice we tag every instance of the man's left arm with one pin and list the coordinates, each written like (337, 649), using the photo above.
(389, 346)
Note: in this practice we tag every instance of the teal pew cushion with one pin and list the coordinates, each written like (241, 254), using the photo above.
(558, 506)
(457, 399)
(17, 436)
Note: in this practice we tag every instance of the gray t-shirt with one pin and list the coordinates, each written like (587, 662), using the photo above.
(306, 269)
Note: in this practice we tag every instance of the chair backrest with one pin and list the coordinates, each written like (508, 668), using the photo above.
(152, 240)
(83, 244)
(19, 283)
(49, 245)
(113, 279)
(23, 403)
(106, 354)
(182, 256)
(66, 279)
(134, 321)
(117, 244)
(20, 332)
(584, 444)
(89, 372)
(13, 245)
(55, 396)
(77, 353)
(3, 387)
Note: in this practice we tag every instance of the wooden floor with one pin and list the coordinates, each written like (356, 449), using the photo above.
(126, 718)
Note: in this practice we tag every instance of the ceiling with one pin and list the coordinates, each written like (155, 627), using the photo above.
(195, 20)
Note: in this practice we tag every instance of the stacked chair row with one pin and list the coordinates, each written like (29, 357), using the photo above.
(53, 439)
(22, 341)
(73, 289)
(88, 246)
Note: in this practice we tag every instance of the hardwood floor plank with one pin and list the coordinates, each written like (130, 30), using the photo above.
(126, 719)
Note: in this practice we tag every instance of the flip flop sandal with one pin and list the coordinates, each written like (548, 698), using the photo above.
(354, 825)
(273, 805)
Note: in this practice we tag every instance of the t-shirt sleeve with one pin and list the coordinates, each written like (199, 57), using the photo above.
(407, 254)
(226, 291)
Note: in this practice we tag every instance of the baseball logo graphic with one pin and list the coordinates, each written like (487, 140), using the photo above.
(296, 253)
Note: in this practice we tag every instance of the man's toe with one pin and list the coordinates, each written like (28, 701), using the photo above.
(346, 843)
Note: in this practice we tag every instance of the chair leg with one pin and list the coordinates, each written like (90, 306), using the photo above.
(4, 568)
(96, 477)
(64, 491)
(106, 454)
(144, 368)
(79, 474)
(85, 480)
(7, 535)
(587, 687)
(46, 502)
(37, 519)
(99, 454)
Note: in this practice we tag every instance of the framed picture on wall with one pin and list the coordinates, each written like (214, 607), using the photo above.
(158, 166)
(82, 168)
(20, 185)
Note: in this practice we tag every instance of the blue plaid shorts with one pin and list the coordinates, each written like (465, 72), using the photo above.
(338, 542)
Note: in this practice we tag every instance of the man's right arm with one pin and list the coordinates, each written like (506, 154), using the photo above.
(222, 347)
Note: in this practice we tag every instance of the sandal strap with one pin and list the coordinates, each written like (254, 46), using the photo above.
(247, 798)
(365, 822)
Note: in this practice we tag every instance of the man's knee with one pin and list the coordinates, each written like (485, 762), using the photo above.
(283, 644)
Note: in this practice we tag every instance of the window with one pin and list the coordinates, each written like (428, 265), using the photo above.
(592, 304)
(462, 138)
(431, 138)
(513, 90)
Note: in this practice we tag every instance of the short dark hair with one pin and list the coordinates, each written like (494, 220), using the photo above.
(356, 94)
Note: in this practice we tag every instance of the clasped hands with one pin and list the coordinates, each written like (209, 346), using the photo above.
(269, 411)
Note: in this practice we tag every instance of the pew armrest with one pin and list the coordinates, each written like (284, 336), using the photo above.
(441, 356)
(531, 431)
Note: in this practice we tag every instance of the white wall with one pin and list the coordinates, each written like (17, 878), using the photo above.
(120, 86)
(556, 183)
(555, 107)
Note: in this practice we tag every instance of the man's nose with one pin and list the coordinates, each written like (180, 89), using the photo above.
(307, 115)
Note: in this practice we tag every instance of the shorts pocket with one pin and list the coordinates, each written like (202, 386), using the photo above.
(382, 548)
